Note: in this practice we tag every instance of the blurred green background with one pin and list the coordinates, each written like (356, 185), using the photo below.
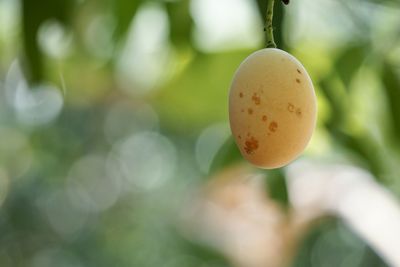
(114, 112)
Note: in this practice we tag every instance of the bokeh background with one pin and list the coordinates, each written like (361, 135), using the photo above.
(115, 147)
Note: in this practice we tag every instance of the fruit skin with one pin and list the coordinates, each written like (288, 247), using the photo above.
(272, 108)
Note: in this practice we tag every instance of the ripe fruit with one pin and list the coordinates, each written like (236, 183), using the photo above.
(272, 108)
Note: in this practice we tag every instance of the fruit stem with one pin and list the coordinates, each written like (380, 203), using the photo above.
(269, 30)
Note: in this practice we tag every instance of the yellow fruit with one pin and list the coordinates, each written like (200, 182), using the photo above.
(272, 108)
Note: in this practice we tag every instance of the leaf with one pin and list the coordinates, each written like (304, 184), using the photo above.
(350, 61)
(34, 13)
(391, 84)
(393, 3)
(227, 155)
(181, 22)
(198, 96)
(363, 147)
(277, 187)
(336, 104)
(124, 11)
(199, 250)
(335, 240)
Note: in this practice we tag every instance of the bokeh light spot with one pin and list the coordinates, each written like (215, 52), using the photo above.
(126, 118)
(89, 187)
(144, 160)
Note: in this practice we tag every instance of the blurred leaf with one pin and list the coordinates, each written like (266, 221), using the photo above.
(202, 252)
(198, 96)
(393, 3)
(277, 187)
(227, 155)
(34, 13)
(349, 61)
(363, 147)
(331, 243)
(124, 11)
(391, 83)
(336, 103)
(181, 22)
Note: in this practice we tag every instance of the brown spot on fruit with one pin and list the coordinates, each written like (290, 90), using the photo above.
(256, 99)
(264, 118)
(298, 112)
(241, 95)
(240, 137)
(298, 71)
(251, 144)
(298, 80)
(242, 110)
(273, 126)
(290, 107)
(250, 111)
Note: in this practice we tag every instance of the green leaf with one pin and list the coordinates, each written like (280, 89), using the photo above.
(200, 251)
(277, 187)
(336, 103)
(363, 147)
(391, 84)
(124, 11)
(181, 22)
(34, 13)
(350, 61)
(393, 3)
(335, 241)
(227, 155)
(198, 96)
